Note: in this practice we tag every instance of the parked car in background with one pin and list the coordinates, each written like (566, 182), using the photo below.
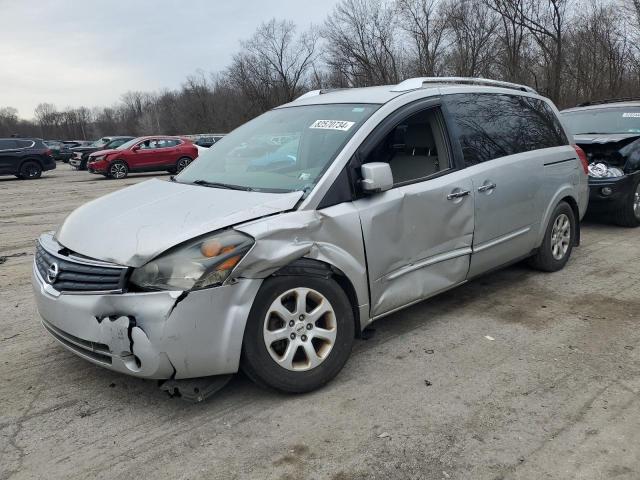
(208, 141)
(388, 196)
(61, 149)
(68, 145)
(609, 133)
(26, 158)
(81, 153)
(144, 154)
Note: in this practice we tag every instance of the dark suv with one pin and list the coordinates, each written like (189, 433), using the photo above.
(25, 158)
(609, 133)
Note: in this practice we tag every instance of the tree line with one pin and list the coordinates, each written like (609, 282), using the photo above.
(569, 50)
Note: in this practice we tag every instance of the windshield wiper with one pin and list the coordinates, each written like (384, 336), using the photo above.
(206, 183)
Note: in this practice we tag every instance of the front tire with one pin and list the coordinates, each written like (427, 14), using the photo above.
(30, 170)
(558, 241)
(118, 170)
(299, 333)
(182, 164)
(629, 214)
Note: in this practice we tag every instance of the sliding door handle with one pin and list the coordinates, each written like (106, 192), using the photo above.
(459, 194)
(487, 187)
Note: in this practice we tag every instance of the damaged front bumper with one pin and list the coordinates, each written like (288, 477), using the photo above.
(156, 335)
(610, 193)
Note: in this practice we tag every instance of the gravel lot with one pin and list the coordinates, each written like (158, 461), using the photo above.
(518, 375)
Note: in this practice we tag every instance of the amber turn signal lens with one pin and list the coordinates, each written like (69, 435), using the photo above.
(229, 263)
(211, 248)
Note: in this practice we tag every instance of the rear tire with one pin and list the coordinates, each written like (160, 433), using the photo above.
(299, 333)
(629, 214)
(30, 170)
(558, 241)
(118, 170)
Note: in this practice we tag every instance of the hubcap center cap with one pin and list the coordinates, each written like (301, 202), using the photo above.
(299, 328)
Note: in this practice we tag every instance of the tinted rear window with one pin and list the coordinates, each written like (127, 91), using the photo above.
(7, 144)
(25, 143)
(491, 126)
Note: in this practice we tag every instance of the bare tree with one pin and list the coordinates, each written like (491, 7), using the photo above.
(273, 66)
(600, 55)
(425, 28)
(570, 50)
(473, 27)
(361, 44)
(546, 21)
(512, 39)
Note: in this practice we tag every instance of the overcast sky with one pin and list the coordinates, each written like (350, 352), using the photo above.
(75, 52)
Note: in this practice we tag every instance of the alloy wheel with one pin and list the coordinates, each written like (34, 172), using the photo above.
(560, 237)
(118, 170)
(183, 163)
(300, 329)
(32, 171)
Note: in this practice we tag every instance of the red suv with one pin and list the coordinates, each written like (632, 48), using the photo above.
(143, 154)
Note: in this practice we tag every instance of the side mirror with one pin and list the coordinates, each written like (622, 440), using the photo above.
(376, 177)
(135, 148)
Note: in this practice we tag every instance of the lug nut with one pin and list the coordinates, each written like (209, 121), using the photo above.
(301, 317)
(304, 338)
(309, 326)
(291, 323)
(293, 336)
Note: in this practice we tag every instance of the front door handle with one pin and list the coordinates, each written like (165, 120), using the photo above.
(487, 187)
(458, 194)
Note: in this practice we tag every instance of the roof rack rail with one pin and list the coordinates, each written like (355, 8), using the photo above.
(313, 93)
(419, 82)
(609, 100)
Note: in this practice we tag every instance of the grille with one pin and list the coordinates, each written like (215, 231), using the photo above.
(96, 351)
(75, 276)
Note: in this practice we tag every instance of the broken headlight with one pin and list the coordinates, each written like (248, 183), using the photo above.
(602, 170)
(197, 264)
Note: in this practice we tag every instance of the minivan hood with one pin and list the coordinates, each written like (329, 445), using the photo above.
(135, 224)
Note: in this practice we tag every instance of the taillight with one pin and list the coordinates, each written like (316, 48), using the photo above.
(583, 158)
(48, 152)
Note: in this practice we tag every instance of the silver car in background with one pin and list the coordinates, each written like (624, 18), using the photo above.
(275, 249)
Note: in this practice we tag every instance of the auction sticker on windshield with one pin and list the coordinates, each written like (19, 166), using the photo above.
(631, 115)
(333, 125)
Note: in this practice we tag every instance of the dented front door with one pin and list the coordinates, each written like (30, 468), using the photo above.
(418, 239)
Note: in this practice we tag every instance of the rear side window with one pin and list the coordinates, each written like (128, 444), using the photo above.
(7, 144)
(25, 143)
(491, 126)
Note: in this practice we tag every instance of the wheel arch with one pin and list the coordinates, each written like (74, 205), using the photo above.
(576, 213)
(317, 268)
(30, 159)
(563, 195)
(121, 160)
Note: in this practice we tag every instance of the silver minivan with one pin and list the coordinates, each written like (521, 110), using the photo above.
(282, 243)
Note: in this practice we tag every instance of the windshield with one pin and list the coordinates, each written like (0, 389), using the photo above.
(128, 144)
(283, 150)
(604, 120)
(99, 143)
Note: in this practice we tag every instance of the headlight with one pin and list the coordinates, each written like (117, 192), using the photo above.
(602, 170)
(97, 159)
(197, 264)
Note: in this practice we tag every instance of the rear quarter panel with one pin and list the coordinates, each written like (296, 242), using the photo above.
(564, 179)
